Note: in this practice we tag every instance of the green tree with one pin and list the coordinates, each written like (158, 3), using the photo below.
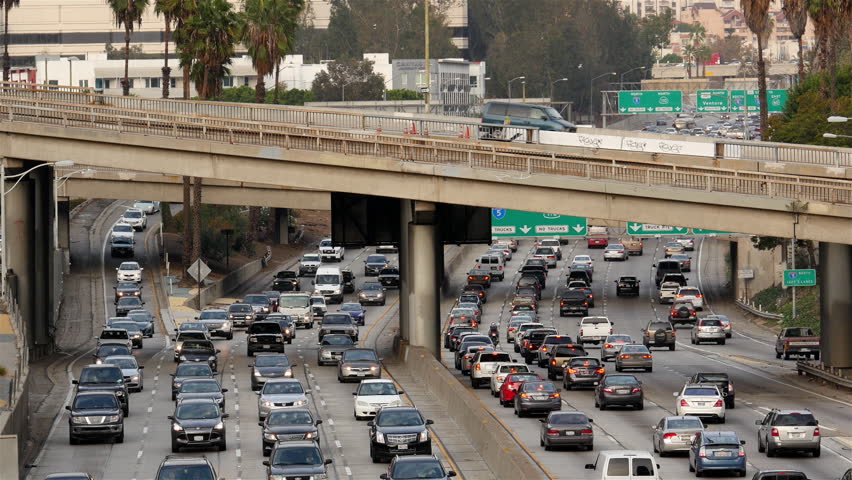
(796, 12)
(403, 94)
(730, 48)
(127, 13)
(831, 21)
(310, 41)
(351, 80)
(672, 58)
(756, 13)
(697, 34)
(211, 33)
(257, 36)
(7, 5)
(342, 40)
(287, 13)
(657, 29)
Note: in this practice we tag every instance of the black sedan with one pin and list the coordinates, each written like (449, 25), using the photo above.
(127, 289)
(125, 304)
(288, 425)
(621, 390)
(389, 277)
(198, 423)
(566, 429)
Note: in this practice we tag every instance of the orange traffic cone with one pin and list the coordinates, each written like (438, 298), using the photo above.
(405, 130)
(467, 133)
(413, 130)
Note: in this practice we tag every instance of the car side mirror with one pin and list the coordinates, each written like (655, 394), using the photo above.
(170, 417)
(400, 392)
(75, 382)
(259, 424)
(141, 367)
(224, 390)
(384, 476)
(355, 393)
(312, 282)
(257, 392)
(294, 365)
(171, 374)
(318, 422)
(371, 423)
(589, 466)
(218, 351)
(266, 463)
(251, 365)
(742, 442)
(328, 461)
(68, 407)
(430, 422)
(542, 420)
(451, 474)
(653, 265)
(195, 318)
(514, 360)
(675, 394)
(758, 422)
(307, 392)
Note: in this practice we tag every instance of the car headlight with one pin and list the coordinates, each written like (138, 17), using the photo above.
(380, 437)
(134, 378)
(300, 403)
(219, 426)
(270, 436)
(288, 373)
(424, 436)
(257, 373)
(277, 477)
(347, 368)
(307, 316)
(211, 359)
(362, 295)
(112, 419)
(226, 326)
(265, 309)
(362, 403)
(137, 335)
(287, 331)
(119, 393)
(176, 427)
(267, 404)
(99, 361)
(373, 369)
(182, 358)
(179, 347)
(120, 294)
(310, 435)
(78, 420)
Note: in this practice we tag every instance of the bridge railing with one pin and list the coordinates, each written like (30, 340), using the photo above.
(785, 153)
(432, 151)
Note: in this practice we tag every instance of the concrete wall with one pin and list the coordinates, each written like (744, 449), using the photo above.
(498, 449)
(227, 284)
(16, 422)
(766, 264)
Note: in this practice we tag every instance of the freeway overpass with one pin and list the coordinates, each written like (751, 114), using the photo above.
(735, 196)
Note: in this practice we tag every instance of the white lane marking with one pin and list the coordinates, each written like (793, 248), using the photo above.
(838, 454)
(239, 453)
(237, 407)
(331, 422)
(316, 387)
(138, 454)
(322, 402)
(157, 377)
(337, 442)
(145, 431)
(150, 409)
(348, 471)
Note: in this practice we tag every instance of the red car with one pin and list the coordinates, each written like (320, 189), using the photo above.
(510, 386)
(597, 242)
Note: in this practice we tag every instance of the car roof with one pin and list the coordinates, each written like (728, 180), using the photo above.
(377, 380)
(190, 401)
(415, 458)
(120, 357)
(88, 393)
(300, 443)
(185, 460)
(402, 408)
(625, 453)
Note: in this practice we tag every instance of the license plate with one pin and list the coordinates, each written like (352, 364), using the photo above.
(701, 404)
(540, 397)
(568, 434)
(797, 435)
(723, 454)
(360, 374)
(402, 447)
(685, 438)
(198, 438)
(266, 346)
(622, 391)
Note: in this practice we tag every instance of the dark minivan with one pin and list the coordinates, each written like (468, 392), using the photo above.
(666, 266)
(525, 115)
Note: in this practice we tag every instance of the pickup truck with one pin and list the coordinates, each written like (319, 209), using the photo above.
(668, 292)
(328, 251)
(797, 341)
(593, 330)
(286, 281)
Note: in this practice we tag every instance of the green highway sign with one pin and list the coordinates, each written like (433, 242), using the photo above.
(634, 228)
(516, 223)
(700, 231)
(800, 278)
(650, 101)
(709, 101)
(747, 100)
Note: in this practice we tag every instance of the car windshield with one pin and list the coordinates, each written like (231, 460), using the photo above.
(268, 328)
(360, 356)
(326, 243)
(689, 291)
(582, 258)
(256, 299)
(196, 411)
(615, 246)
(128, 266)
(290, 417)
(703, 392)
(127, 286)
(213, 315)
(101, 375)
(513, 368)
(240, 308)
(796, 420)
(132, 214)
(311, 258)
(634, 349)
(139, 316)
(277, 388)
(200, 387)
(621, 380)
(122, 228)
(125, 301)
(337, 319)
(197, 345)
(679, 257)
(187, 370)
(372, 286)
(405, 418)
(272, 361)
(524, 378)
(378, 388)
(294, 301)
(182, 472)
(659, 326)
(124, 363)
(539, 387)
(618, 338)
(337, 340)
(495, 357)
(327, 279)
(410, 469)
(107, 350)
(122, 240)
(687, 422)
(317, 300)
(377, 259)
(351, 307)
(568, 419)
(291, 455)
(131, 327)
(721, 439)
(544, 251)
(91, 402)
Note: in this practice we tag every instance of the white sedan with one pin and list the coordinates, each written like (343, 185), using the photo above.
(122, 230)
(129, 272)
(502, 371)
(373, 395)
(703, 401)
(583, 260)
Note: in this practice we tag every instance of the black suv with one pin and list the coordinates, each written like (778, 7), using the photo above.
(95, 415)
(389, 277)
(627, 286)
(198, 422)
(181, 466)
(268, 366)
(532, 341)
(264, 337)
(338, 322)
(198, 351)
(286, 281)
(127, 289)
(721, 380)
(186, 371)
(659, 333)
(104, 377)
(125, 304)
(296, 460)
(573, 302)
(399, 431)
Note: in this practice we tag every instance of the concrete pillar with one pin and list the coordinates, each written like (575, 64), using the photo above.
(281, 234)
(404, 272)
(425, 283)
(64, 223)
(835, 280)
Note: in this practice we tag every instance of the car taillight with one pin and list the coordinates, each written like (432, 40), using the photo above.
(512, 329)
(730, 387)
(553, 432)
(585, 304)
(702, 453)
(646, 356)
(553, 362)
(674, 312)
(524, 395)
(717, 404)
(816, 432)
(572, 370)
(581, 332)
(601, 370)
(477, 367)
(636, 390)
(607, 390)
(610, 331)
(550, 256)
(699, 296)
(684, 403)
(526, 343)
(481, 294)
(555, 395)
(543, 349)
(487, 277)
(587, 431)
(741, 452)
(679, 295)
(608, 345)
(624, 356)
(500, 268)
(669, 435)
(774, 432)
(692, 312)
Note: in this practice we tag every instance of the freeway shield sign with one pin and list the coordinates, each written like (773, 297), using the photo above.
(709, 101)
(650, 101)
(517, 223)
(747, 100)
(800, 278)
(634, 228)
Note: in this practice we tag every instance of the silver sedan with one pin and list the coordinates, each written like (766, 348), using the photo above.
(615, 251)
(675, 434)
(634, 356)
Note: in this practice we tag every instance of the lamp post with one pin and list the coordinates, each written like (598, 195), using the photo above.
(524, 91)
(509, 85)
(71, 61)
(57, 183)
(551, 87)
(227, 232)
(835, 135)
(4, 252)
(592, 95)
(621, 80)
(837, 119)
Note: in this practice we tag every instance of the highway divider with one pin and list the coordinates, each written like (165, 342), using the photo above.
(500, 451)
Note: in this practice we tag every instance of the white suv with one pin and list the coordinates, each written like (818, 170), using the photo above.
(691, 295)
(135, 218)
(484, 364)
(373, 395)
(700, 400)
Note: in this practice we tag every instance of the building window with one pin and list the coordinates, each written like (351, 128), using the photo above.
(53, 82)
(228, 81)
(246, 81)
(473, 81)
(152, 82)
(99, 83)
(83, 83)
(172, 82)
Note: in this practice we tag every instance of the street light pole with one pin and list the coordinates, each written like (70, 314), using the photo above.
(509, 85)
(524, 91)
(621, 80)
(551, 87)
(592, 95)
(428, 91)
(56, 185)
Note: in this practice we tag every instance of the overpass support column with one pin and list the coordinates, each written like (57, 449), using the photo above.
(63, 222)
(425, 326)
(281, 235)
(404, 271)
(835, 262)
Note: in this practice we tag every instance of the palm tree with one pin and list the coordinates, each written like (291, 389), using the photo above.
(697, 34)
(186, 258)
(210, 35)
(796, 12)
(169, 9)
(196, 222)
(127, 13)
(256, 35)
(756, 14)
(831, 20)
(287, 14)
(7, 5)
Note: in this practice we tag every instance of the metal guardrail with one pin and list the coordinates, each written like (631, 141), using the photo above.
(414, 125)
(750, 308)
(432, 151)
(826, 373)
